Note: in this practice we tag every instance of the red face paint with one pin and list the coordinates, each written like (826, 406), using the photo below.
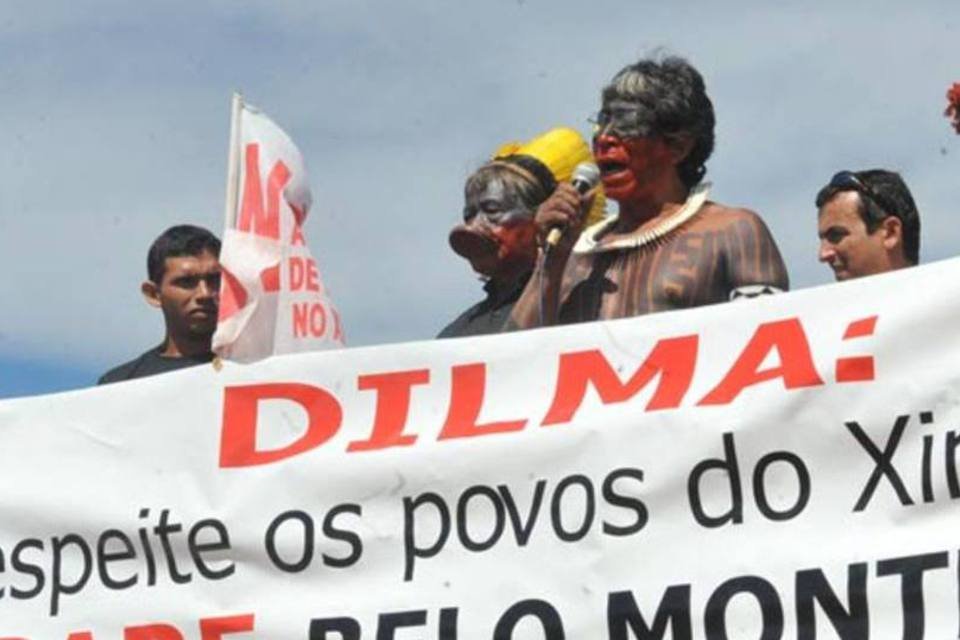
(632, 168)
(498, 235)
(496, 250)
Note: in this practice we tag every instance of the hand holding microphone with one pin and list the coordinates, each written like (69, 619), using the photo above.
(562, 210)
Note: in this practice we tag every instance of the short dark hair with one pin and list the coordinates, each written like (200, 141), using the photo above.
(886, 195)
(672, 94)
(179, 240)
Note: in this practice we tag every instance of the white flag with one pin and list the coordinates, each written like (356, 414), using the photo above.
(272, 299)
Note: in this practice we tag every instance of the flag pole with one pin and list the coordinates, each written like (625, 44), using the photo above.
(233, 162)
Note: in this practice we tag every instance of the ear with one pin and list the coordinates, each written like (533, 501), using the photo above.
(680, 147)
(892, 230)
(151, 293)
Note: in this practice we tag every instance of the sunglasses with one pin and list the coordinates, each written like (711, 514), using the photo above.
(626, 123)
(848, 181)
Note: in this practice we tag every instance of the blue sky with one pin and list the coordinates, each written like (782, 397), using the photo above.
(115, 122)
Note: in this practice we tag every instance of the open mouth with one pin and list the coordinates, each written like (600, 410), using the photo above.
(614, 175)
(610, 167)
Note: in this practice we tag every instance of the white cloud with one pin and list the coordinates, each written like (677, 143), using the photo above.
(115, 121)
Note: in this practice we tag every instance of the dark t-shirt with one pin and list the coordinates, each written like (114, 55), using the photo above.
(488, 315)
(149, 364)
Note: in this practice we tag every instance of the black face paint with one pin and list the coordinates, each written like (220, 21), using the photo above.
(624, 119)
(495, 204)
(498, 234)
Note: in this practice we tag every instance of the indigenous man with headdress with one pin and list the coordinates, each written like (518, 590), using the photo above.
(669, 247)
(498, 233)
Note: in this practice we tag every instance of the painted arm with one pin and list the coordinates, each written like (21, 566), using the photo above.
(564, 209)
(754, 264)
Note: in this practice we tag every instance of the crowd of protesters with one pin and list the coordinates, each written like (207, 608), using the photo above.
(668, 247)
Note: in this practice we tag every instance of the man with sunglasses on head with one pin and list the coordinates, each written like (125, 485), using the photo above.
(868, 223)
(669, 247)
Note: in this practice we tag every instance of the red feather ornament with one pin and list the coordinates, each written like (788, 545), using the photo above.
(953, 106)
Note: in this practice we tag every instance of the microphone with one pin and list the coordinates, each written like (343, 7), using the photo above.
(585, 177)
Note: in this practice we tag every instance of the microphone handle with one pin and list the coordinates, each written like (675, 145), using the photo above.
(581, 185)
(553, 238)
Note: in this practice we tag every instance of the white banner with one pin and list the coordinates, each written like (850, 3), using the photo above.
(778, 468)
(272, 297)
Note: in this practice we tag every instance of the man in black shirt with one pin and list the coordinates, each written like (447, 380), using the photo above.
(183, 281)
(498, 234)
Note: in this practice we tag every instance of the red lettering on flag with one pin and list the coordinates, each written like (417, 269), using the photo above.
(297, 274)
(297, 238)
(257, 217)
(233, 296)
(299, 214)
(337, 327)
(313, 276)
(304, 274)
(309, 319)
(270, 279)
